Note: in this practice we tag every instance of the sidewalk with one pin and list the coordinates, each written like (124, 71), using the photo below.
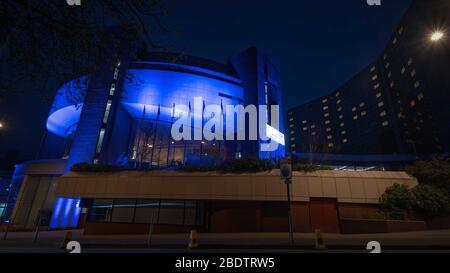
(439, 239)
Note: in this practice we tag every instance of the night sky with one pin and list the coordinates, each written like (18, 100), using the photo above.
(316, 45)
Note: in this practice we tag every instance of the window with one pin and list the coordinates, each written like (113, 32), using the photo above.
(330, 145)
(108, 108)
(326, 115)
(313, 133)
(392, 84)
(291, 125)
(355, 117)
(328, 129)
(116, 73)
(112, 89)
(290, 113)
(384, 56)
(413, 73)
(291, 119)
(387, 65)
(420, 97)
(378, 95)
(304, 122)
(344, 140)
(412, 103)
(325, 108)
(354, 109)
(389, 74)
(338, 101)
(329, 137)
(362, 104)
(343, 132)
(100, 140)
(146, 211)
(292, 132)
(324, 100)
(313, 126)
(416, 84)
(171, 212)
(292, 138)
(101, 210)
(403, 70)
(305, 128)
(327, 122)
(339, 109)
(363, 113)
(372, 69)
(400, 30)
(342, 124)
(123, 211)
(376, 86)
(382, 114)
(410, 61)
(385, 123)
(374, 77)
(293, 145)
(338, 94)
(380, 104)
(394, 41)
(341, 116)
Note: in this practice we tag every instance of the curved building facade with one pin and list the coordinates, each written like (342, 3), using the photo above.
(123, 116)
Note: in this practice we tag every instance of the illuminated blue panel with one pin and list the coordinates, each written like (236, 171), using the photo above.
(66, 213)
(166, 88)
(64, 114)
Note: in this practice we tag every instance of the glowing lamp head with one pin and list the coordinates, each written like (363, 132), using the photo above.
(1, 125)
(437, 36)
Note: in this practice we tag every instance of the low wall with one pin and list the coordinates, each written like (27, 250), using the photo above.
(355, 226)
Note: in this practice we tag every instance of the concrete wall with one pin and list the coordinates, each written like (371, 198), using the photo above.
(347, 187)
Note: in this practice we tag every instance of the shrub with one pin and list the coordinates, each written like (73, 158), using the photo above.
(247, 165)
(299, 167)
(435, 172)
(86, 167)
(395, 201)
(429, 201)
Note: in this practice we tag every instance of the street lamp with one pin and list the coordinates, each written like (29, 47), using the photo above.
(437, 36)
(1, 125)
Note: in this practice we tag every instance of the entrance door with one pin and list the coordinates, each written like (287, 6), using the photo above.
(324, 215)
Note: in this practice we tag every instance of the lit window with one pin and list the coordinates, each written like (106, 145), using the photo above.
(100, 140)
(292, 138)
(329, 137)
(387, 65)
(292, 145)
(416, 84)
(341, 116)
(355, 117)
(112, 90)
(412, 103)
(337, 94)
(290, 113)
(378, 94)
(403, 70)
(420, 97)
(410, 61)
(372, 69)
(291, 119)
(382, 114)
(384, 56)
(380, 104)
(292, 132)
(394, 41)
(392, 84)
(354, 109)
(108, 108)
(330, 145)
(400, 31)
(328, 129)
(324, 100)
(413, 73)
(362, 104)
(374, 77)
(338, 101)
(116, 73)
(343, 132)
(291, 125)
(326, 115)
(304, 122)
(325, 108)
(313, 133)
(376, 86)
(342, 124)
(389, 74)
(327, 122)
(305, 128)
(339, 109)
(363, 113)
(385, 123)
(313, 126)
(344, 140)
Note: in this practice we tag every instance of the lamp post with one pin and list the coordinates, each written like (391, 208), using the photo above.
(436, 36)
(286, 175)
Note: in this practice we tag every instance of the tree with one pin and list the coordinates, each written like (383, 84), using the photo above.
(429, 201)
(44, 44)
(396, 200)
(435, 172)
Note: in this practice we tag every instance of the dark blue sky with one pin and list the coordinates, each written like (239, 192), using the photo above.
(317, 46)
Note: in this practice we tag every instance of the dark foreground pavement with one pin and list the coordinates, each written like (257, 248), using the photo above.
(51, 241)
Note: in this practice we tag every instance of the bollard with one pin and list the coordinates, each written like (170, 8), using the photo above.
(193, 242)
(320, 245)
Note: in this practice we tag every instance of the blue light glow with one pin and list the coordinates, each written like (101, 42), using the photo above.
(66, 213)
